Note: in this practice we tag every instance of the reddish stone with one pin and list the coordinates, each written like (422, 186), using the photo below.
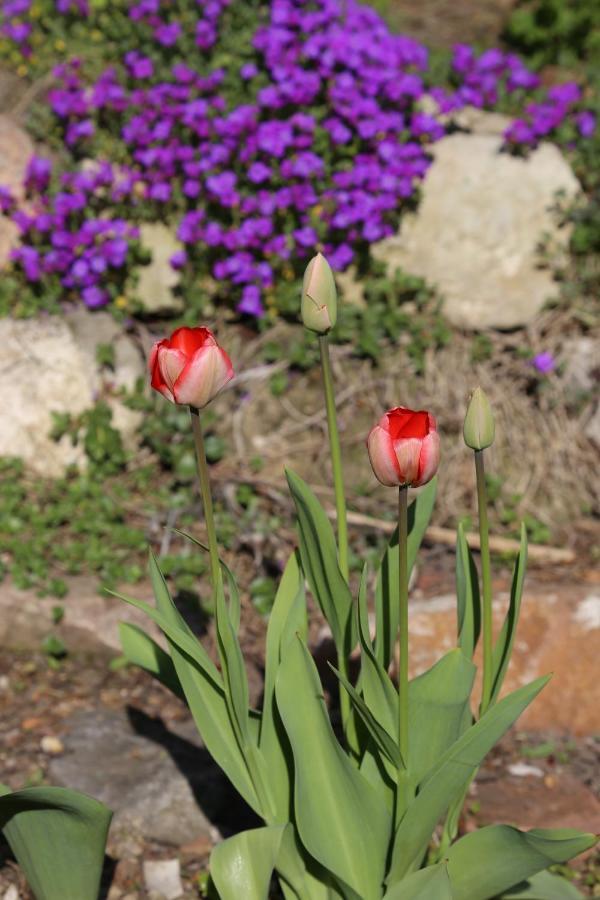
(558, 633)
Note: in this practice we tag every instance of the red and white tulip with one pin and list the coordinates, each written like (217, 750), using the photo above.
(404, 447)
(190, 367)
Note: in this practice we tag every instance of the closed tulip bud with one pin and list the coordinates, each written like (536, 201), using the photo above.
(189, 367)
(479, 428)
(404, 447)
(319, 296)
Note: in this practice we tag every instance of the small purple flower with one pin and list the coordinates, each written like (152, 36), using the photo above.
(251, 303)
(586, 123)
(544, 362)
(37, 174)
(94, 297)
(167, 34)
(178, 259)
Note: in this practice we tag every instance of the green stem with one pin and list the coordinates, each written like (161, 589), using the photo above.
(340, 506)
(213, 550)
(336, 456)
(486, 577)
(403, 661)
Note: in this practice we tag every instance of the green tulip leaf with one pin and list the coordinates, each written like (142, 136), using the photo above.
(438, 706)
(446, 780)
(288, 618)
(467, 596)
(343, 821)
(300, 876)
(543, 886)
(386, 744)
(504, 644)
(431, 883)
(318, 552)
(202, 685)
(380, 694)
(242, 865)
(234, 671)
(58, 838)
(490, 861)
(141, 650)
(386, 594)
(235, 609)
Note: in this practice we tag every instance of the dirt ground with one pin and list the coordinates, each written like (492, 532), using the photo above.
(438, 23)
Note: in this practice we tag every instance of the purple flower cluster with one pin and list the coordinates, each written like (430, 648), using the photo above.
(330, 141)
(542, 119)
(59, 236)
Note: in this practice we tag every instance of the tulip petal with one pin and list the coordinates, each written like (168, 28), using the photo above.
(171, 364)
(429, 459)
(382, 456)
(408, 452)
(157, 380)
(207, 372)
(190, 340)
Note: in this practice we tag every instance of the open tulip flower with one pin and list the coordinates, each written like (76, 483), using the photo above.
(190, 367)
(404, 447)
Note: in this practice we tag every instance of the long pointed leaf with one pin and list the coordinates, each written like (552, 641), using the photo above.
(318, 551)
(431, 883)
(235, 608)
(467, 596)
(437, 702)
(543, 886)
(487, 862)
(379, 692)
(234, 671)
(447, 778)
(300, 876)
(202, 685)
(343, 822)
(386, 594)
(141, 650)
(288, 618)
(503, 647)
(242, 865)
(382, 739)
(58, 838)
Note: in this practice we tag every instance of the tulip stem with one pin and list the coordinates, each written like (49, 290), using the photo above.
(336, 456)
(213, 550)
(486, 578)
(340, 505)
(403, 661)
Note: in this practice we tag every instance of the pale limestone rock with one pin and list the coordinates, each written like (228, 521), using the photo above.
(48, 364)
(15, 150)
(163, 878)
(158, 280)
(476, 232)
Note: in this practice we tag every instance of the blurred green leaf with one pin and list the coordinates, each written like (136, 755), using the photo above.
(58, 838)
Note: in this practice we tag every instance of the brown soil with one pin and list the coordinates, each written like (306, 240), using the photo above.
(438, 23)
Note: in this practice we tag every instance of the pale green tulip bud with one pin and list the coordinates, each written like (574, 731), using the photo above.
(319, 296)
(479, 428)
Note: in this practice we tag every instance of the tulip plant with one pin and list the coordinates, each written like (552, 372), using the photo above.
(370, 810)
